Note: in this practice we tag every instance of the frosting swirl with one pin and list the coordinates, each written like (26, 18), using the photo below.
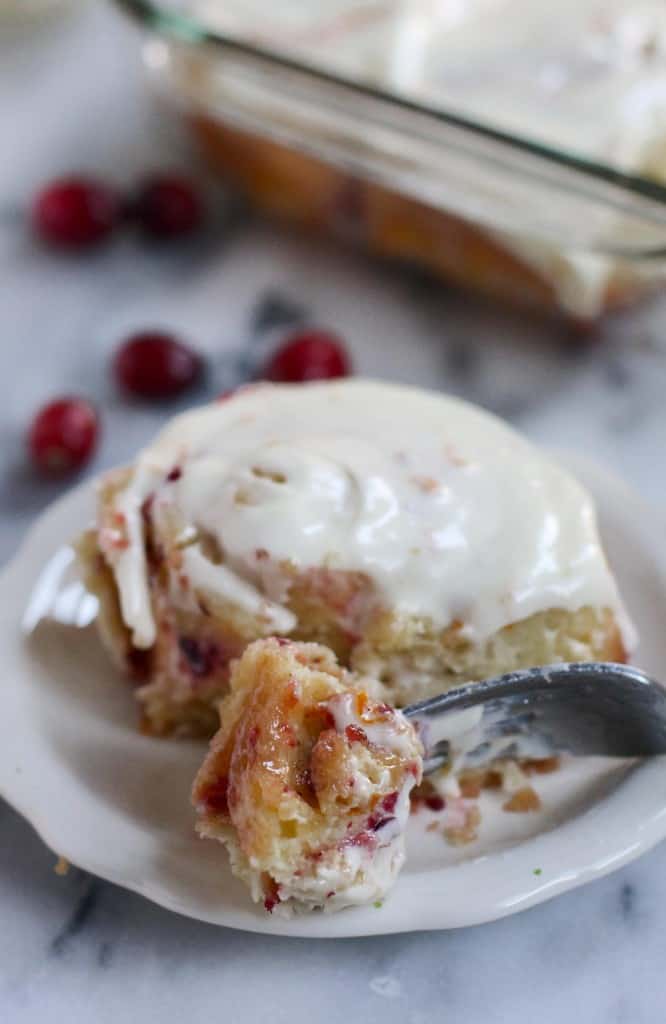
(447, 511)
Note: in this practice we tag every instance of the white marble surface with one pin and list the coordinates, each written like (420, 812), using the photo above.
(76, 949)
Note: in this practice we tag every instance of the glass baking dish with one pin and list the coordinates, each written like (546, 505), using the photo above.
(511, 146)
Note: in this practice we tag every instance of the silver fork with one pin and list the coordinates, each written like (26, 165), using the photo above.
(582, 708)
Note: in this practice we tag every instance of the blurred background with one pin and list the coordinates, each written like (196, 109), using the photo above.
(82, 91)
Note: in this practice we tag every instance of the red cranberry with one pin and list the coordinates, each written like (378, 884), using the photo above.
(309, 355)
(202, 657)
(167, 206)
(389, 802)
(73, 213)
(215, 796)
(355, 734)
(63, 435)
(154, 365)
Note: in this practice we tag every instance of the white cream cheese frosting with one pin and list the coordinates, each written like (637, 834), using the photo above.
(449, 512)
(584, 76)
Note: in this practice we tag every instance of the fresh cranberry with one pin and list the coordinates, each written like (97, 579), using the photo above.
(63, 435)
(167, 206)
(154, 365)
(309, 355)
(73, 213)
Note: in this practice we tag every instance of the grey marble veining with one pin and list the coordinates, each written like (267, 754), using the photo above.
(77, 949)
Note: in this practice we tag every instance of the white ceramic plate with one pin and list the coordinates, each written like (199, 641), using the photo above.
(116, 803)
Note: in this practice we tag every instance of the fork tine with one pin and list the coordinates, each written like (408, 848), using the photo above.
(59, 595)
(46, 588)
(74, 606)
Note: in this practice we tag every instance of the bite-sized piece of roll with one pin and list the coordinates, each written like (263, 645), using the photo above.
(307, 782)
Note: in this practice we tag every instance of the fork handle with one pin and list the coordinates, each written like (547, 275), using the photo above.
(584, 708)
